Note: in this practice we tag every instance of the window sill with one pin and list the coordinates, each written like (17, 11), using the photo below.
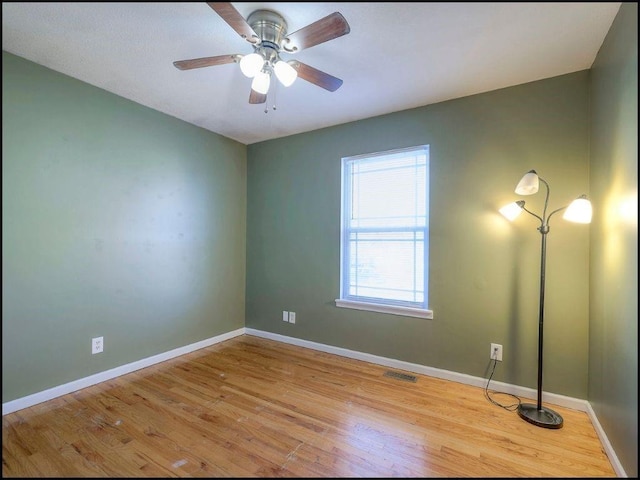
(390, 309)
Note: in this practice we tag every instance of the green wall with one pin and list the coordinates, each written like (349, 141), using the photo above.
(613, 339)
(117, 221)
(484, 271)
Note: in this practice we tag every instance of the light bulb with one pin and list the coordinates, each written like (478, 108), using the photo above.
(579, 211)
(285, 73)
(251, 64)
(261, 82)
(528, 185)
(512, 210)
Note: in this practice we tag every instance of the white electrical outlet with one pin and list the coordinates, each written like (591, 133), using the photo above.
(97, 345)
(496, 352)
(292, 317)
(285, 316)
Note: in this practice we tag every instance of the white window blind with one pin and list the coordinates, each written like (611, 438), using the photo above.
(385, 218)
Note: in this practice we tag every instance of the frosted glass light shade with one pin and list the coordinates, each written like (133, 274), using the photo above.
(528, 185)
(579, 211)
(261, 82)
(285, 73)
(251, 64)
(512, 210)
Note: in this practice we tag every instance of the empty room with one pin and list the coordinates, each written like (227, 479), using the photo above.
(331, 240)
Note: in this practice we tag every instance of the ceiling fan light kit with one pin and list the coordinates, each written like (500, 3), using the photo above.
(285, 73)
(261, 82)
(266, 31)
(251, 64)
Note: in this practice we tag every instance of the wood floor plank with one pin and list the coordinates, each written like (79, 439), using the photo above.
(252, 407)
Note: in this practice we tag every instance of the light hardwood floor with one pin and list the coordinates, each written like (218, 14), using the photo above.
(251, 407)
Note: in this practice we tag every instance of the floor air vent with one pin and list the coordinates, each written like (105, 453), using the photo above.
(400, 376)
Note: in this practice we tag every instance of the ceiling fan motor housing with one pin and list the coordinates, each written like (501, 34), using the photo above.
(271, 28)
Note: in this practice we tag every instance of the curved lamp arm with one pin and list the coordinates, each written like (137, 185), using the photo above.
(533, 214)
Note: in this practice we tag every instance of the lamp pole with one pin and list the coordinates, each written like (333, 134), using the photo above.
(537, 414)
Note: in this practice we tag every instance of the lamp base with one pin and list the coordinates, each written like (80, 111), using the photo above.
(543, 417)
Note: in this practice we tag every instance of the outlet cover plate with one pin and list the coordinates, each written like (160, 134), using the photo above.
(494, 347)
(97, 345)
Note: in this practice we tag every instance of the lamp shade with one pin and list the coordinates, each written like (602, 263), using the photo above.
(251, 64)
(528, 184)
(579, 211)
(285, 73)
(512, 210)
(261, 82)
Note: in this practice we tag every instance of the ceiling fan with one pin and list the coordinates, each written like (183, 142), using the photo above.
(266, 31)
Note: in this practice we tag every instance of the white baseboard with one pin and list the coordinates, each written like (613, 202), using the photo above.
(555, 399)
(81, 383)
(617, 466)
(561, 400)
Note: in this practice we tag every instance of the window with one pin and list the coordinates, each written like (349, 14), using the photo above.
(385, 232)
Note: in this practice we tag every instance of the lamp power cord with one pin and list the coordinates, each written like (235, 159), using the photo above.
(487, 393)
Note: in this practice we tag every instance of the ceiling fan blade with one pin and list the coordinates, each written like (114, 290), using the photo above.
(327, 28)
(255, 97)
(317, 77)
(236, 21)
(205, 62)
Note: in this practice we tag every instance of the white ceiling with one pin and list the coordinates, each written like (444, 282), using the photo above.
(397, 55)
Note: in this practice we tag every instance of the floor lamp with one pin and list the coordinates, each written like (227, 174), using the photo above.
(578, 211)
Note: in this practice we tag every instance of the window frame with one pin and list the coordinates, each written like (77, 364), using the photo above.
(376, 304)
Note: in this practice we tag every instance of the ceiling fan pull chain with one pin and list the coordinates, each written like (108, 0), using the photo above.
(266, 101)
(275, 88)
